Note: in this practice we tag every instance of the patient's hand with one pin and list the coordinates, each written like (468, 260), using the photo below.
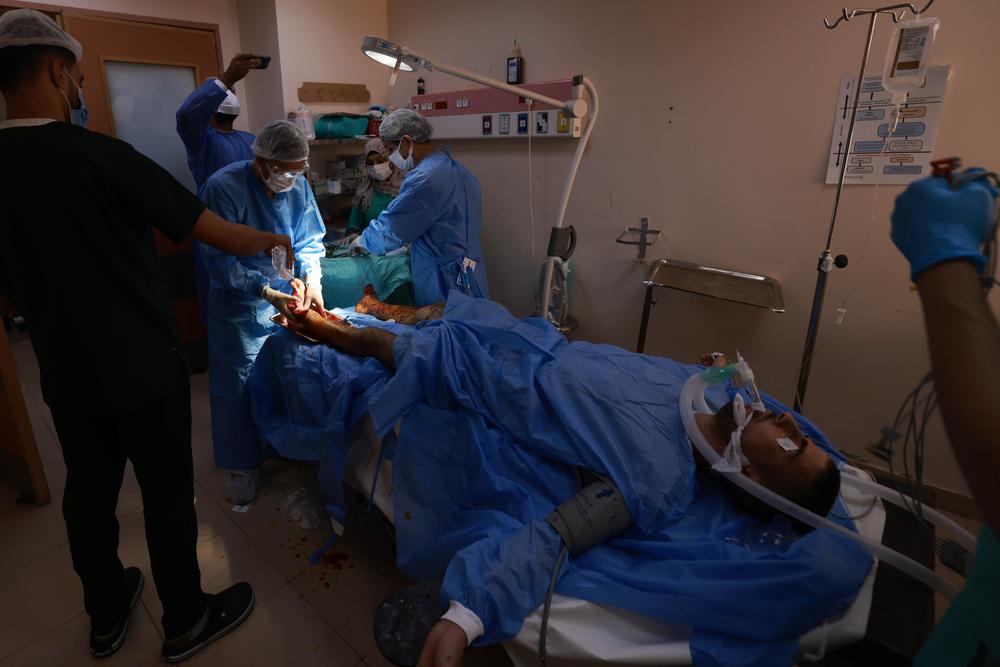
(713, 359)
(444, 647)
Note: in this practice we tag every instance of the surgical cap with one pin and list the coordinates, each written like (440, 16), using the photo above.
(405, 121)
(26, 27)
(281, 141)
(230, 105)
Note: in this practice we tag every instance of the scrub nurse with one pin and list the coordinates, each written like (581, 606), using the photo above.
(266, 193)
(438, 211)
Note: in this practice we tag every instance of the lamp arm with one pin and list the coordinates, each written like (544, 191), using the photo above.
(575, 108)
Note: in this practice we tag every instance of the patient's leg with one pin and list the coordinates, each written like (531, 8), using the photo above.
(371, 305)
(340, 335)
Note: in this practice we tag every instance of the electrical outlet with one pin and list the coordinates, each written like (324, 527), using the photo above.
(504, 123)
(541, 122)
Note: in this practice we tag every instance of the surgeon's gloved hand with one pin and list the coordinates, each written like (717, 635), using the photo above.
(347, 240)
(314, 298)
(286, 304)
(932, 223)
(444, 647)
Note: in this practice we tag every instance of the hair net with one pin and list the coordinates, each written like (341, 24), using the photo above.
(281, 141)
(26, 27)
(405, 121)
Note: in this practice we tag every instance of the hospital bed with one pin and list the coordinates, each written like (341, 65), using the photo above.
(584, 633)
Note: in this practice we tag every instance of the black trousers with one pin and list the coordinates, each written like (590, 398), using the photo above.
(157, 440)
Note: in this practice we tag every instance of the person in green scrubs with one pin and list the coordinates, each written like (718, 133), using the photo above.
(376, 192)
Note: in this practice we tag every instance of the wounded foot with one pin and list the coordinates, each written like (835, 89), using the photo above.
(371, 305)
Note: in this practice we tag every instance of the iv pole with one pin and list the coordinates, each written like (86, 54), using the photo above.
(826, 259)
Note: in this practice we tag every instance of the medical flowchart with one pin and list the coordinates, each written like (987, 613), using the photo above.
(873, 156)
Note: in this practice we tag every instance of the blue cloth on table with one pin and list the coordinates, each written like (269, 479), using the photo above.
(498, 414)
(344, 278)
(307, 399)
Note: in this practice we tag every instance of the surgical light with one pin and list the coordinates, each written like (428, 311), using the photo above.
(388, 53)
(399, 57)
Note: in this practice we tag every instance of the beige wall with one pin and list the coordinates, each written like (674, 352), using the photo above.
(220, 12)
(321, 41)
(259, 34)
(716, 118)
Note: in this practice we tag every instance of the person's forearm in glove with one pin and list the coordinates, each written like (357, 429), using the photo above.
(286, 304)
(940, 230)
(932, 223)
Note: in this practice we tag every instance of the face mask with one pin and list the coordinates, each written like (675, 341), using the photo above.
(403, 164)
(380, 171)
(76, 116)
(281, 181)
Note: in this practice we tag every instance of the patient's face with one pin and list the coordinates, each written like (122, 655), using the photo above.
(771, 465)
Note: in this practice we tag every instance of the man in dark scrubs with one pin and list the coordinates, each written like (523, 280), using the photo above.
(78, 262)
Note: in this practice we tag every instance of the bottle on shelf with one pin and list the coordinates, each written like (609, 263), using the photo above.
(515, 65)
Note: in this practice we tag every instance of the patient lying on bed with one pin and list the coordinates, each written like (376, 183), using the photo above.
(482, 390)
(807, 475)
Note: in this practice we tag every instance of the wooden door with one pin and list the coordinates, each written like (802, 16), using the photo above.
(20, 464)
(109, 41)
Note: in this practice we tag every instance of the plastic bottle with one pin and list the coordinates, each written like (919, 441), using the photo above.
(303, 118)
(515, 65)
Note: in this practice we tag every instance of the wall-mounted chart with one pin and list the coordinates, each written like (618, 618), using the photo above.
(873, 155)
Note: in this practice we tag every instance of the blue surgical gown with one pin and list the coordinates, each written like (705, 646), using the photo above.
(208, 150)
(439, 212)
(239, 320)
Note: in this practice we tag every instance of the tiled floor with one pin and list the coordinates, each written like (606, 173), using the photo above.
(305, 615)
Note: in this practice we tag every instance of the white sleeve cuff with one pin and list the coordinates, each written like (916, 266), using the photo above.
(221, 85)
(466, 619)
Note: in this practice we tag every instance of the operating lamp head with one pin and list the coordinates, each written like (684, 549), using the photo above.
(389, 54)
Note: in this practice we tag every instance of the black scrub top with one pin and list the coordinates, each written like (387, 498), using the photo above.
(78, 261)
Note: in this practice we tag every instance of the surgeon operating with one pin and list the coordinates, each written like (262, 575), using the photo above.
(498, 416)
(205, 125)
(438, 212)
(265, 193)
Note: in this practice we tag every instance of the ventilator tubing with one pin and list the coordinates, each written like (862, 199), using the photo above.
(693, 398)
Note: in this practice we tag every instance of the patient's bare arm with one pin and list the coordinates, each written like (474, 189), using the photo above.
(371, 305)
(340, 335)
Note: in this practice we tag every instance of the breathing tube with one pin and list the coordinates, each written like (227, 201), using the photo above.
(693, 399)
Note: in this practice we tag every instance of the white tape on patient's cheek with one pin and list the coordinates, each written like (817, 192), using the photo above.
(788, 445)
(733, 458)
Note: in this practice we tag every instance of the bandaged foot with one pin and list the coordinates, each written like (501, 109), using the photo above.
(371, 305)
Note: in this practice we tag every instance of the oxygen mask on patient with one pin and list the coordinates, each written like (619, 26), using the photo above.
(733, 459)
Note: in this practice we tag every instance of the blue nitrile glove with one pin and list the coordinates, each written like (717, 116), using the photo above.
(932, 223)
